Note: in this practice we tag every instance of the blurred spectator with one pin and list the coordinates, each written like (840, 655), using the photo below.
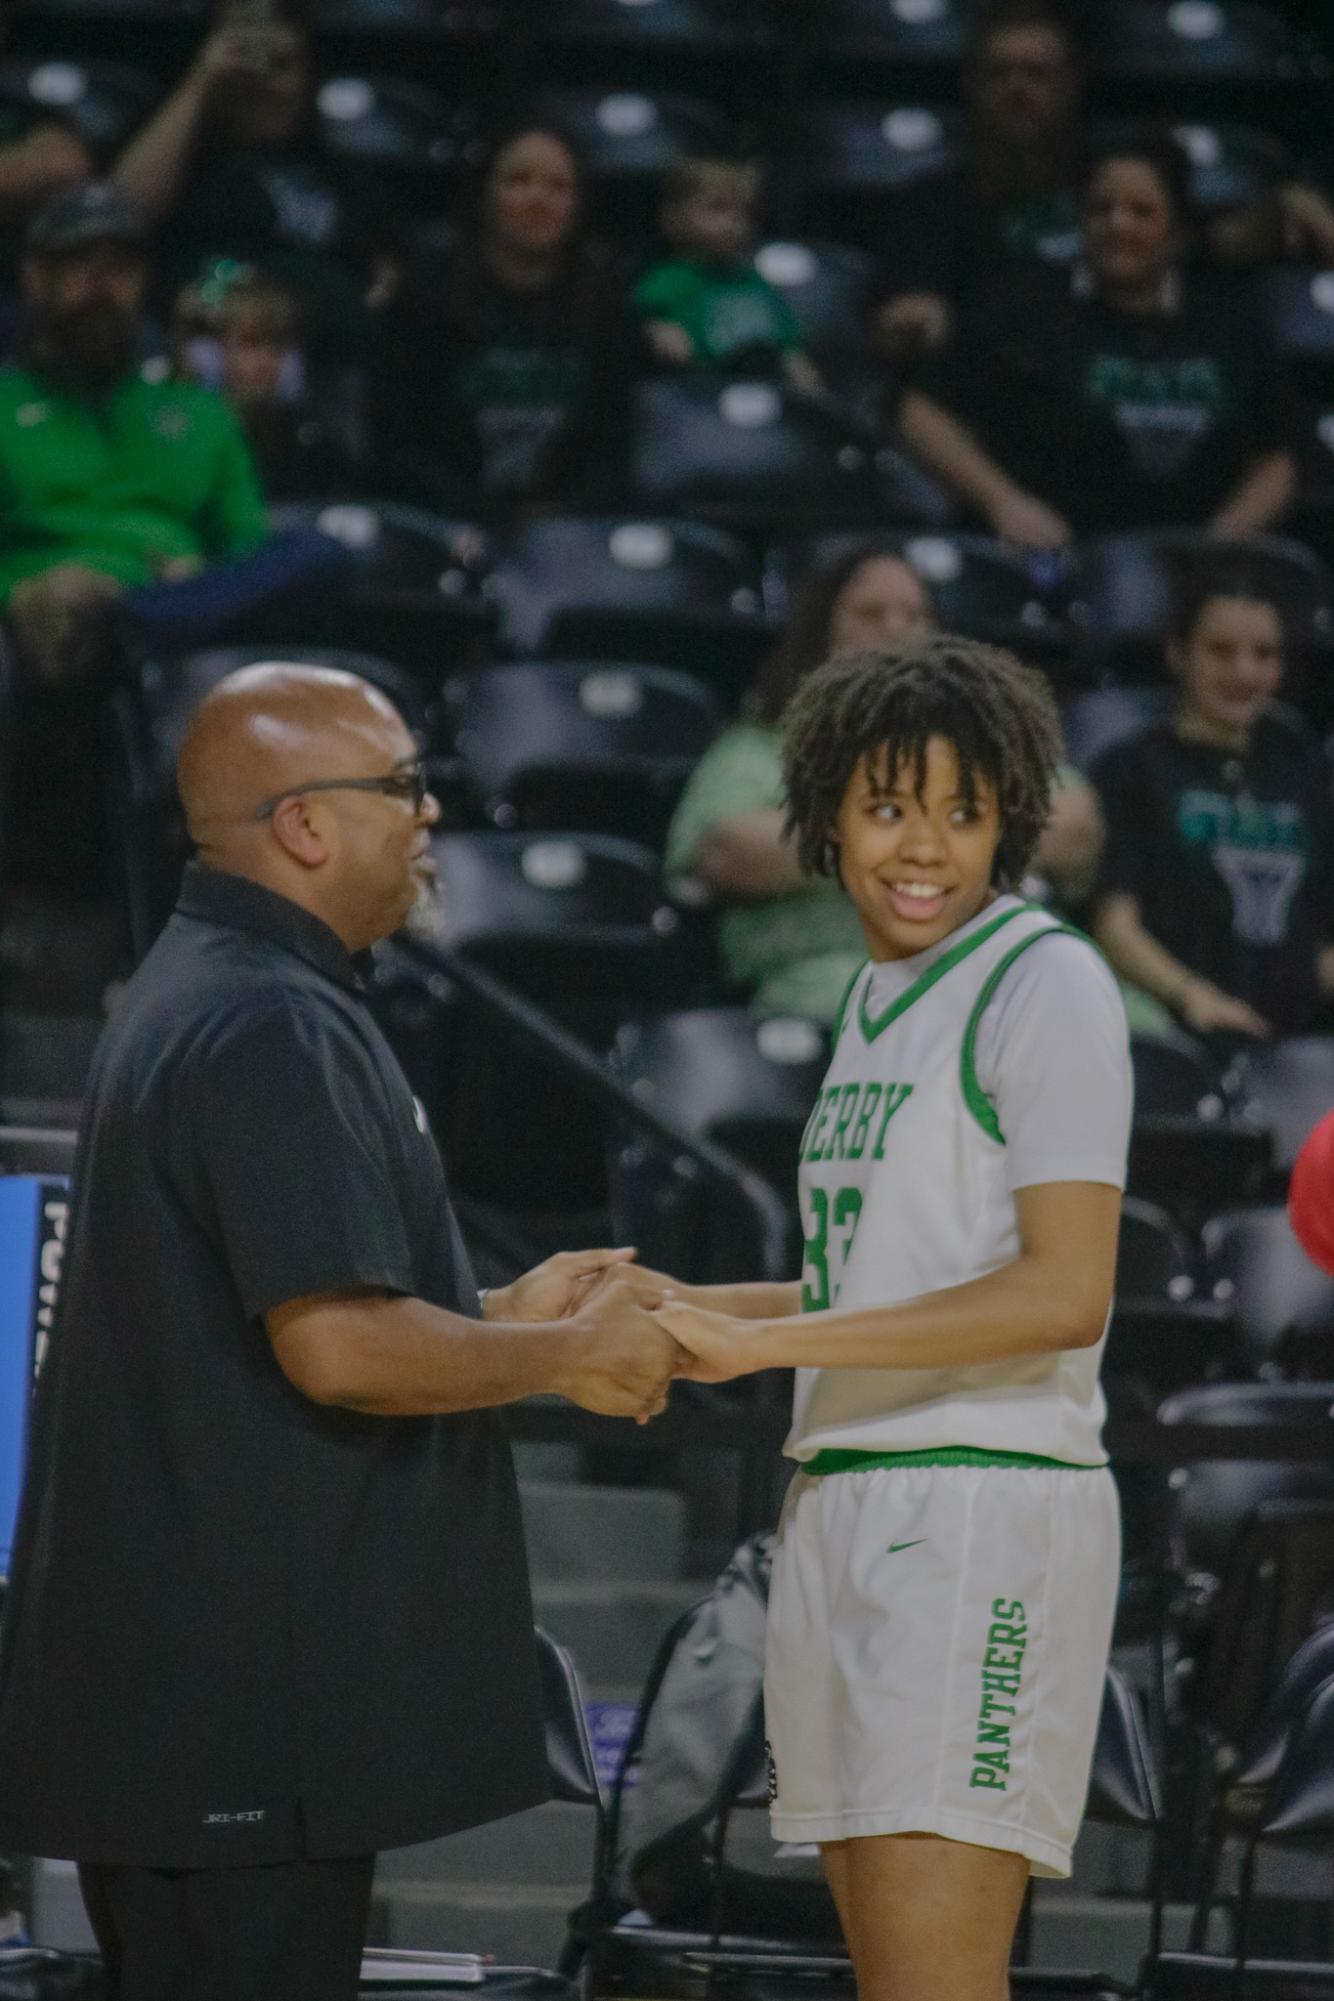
(238, 332)
(1137, 394)
(1216, 894)
(504, 371)
(790, 941)
(131, 510)
(952, 236)
(707, 306)
(40, 154)
(232, 165)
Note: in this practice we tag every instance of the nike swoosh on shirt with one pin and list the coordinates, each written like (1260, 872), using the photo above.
(895, 1547)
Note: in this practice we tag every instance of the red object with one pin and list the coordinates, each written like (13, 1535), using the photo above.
(1311, 1196)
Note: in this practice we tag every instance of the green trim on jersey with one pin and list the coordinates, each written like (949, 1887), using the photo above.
(835, 1460)
(843, 1008)
(976, 1099)
(944, 964)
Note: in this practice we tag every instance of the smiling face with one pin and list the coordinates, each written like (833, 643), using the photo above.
(531, 200)
(917, 860)
(1132, 233)
(882, 605)
(1230, 667)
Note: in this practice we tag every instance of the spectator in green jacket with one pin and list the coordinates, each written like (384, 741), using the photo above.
(706, 306)
(106, 480)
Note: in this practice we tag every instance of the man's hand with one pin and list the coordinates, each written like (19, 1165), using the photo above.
(622, 1360)
(717, 1347)
(555, 1288)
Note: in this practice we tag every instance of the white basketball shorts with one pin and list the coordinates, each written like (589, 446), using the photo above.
(938, 1639)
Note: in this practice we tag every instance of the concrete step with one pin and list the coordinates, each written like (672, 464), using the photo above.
(1106, 1934)
(603, 1533)
(548, 1844)
(524, 1927)
(612, 1627)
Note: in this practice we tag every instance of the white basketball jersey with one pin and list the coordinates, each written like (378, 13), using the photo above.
(903, 1192)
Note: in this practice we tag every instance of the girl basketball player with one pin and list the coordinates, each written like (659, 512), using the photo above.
(947, 1562)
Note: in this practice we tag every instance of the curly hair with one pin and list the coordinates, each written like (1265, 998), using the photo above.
(805, 643)
(998, 715)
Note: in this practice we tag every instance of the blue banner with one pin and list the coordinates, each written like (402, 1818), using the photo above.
(34, 1211)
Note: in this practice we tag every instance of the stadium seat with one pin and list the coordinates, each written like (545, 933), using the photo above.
(1299, 311)
(171, 689)
(572, 1778)
(1125, 586)
(415, 591)
(723, 1075)
(1096, 719)
(677, 593)
(578, 924)
(705, 28)
(1188, 41)
(1190, 1149)
(1297, 1806)
(103, 101)
(430, 20)
(883, 34)
(597, 745)
(1162, 1337)
(1229, 166)
(1154, 1257)
(753, 454)
(978, 586)
(404, 130)
(827, 286)
(1287, 1087)
(1283, 1306)
(627, 140)
(855, 157)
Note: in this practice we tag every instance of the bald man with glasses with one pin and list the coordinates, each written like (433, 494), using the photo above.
(269, 1610)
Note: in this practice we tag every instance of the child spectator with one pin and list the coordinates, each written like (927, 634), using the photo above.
(1216, 897)
(237, 330)
(707, 306)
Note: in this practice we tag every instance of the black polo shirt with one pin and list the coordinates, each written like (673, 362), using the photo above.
(243, 1627)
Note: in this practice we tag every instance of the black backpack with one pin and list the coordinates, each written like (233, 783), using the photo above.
(696, 1746)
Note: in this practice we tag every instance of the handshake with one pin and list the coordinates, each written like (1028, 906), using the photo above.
(616, 1355)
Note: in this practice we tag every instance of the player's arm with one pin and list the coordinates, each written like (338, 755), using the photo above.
(759, 1299)
(1055, 1295)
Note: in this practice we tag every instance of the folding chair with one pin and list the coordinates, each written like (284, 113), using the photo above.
(572, 1772)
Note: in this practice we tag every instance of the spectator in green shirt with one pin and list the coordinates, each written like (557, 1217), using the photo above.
(791, 942)
(106, 480)
(130, 516)
(706, 306)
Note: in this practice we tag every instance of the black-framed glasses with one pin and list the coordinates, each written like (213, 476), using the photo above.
(411, 785)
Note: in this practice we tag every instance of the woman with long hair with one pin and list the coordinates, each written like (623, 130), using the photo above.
(503, 377)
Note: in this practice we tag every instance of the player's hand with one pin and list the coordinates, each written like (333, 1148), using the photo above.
(649, 1287)
(621, 1360)
(715, 1346)
(1027, 521)
(1206, 1008)
(555, 1288)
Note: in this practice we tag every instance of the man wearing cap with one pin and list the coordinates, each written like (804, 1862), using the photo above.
(110, 481)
